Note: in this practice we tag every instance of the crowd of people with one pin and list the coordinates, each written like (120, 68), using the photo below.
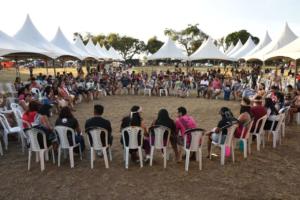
(44, 95)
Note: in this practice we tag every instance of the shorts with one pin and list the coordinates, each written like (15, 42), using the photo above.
(215, 138)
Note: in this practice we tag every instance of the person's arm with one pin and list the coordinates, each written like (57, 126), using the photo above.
(45, 122)
(77, 129)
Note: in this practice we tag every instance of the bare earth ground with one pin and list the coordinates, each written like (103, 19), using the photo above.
(269, 174)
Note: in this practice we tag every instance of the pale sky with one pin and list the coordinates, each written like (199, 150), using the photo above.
(146, 18)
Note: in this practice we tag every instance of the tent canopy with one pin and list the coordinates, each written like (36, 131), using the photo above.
(30, 35)
(91, 49)
(229, 48)
(286, 37)
(208, 51)
(83, 51)
(114, 54)
(292, 50)
(237, 47)
(168, 51)
(248, 46)
(102, 53)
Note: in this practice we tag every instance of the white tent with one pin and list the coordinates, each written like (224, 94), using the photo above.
(9, 45)
(114, 54)
(83, 51)
(248, 46)
(168, 51)
(229, 48)
(237, 47)
(91, 49)
(62, 42)
(292, 50)
(30, 35)
(260, 45)
(208, 51)
(286, 36)
(101, 52)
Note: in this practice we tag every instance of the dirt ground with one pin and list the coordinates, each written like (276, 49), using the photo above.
(268, 174)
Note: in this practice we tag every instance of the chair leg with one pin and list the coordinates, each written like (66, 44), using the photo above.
(222, 154)
(42, 160)
(151, 155)
(80, 153)
(29, 159)
(232, 154)
(141, 156)
(53, 155)
(59, 155)
(92, 158)
(110, 153)
(274, 139)
(105, 158)
(1, 150)
(71, 155)
(126, 157)
(5, 139)
(200, 158)
(37, 157)
(187, 159)
(22, 141)
(245, 147)
(165, 156)
(258, 142)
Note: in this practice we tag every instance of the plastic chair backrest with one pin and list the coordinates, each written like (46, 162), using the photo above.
(133, 135)
(230, 134)
(95, 136)
(248, 128)
(196, 140)
(62, 131)
(11, 88)
(32, 134)
(261, 121)
(278, 118)
(158, 132)
(4, 123)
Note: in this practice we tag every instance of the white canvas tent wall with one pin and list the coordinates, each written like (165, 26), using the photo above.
(30, 35)
(286, 37)
(208, 51)
(248, 46)
(9, 45)
(168, 51)
(229, 49)
(83, 51)
(238, 45)
(114, 54)
(101, 52)
(90, 47)
(292, 50)
(62, 42)
(262, 43)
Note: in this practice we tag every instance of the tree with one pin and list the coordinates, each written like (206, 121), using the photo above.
(242, 35)
(190, 38)
(75, 35)
(129, 47)
(153, 45)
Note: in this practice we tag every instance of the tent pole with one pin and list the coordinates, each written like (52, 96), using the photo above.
(296, 73)
(53, 62)
(46, 61)
(17, 68)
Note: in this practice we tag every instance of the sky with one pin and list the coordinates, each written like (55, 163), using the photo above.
(146, 18)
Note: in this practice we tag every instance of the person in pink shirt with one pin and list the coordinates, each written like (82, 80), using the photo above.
(183, 123)
(216, 86)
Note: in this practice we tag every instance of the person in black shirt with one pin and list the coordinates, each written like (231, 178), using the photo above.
(99, 122)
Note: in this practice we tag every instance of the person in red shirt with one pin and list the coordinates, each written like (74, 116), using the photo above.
(257, 110)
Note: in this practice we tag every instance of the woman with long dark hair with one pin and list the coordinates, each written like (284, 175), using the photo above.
(244, 119)
(272, 111)
(163, 119)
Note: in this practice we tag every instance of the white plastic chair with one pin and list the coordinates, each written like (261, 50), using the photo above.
(196, 141)
(259, 132)
(228, 143)
(298, 118)
(18, 113)
(135, 141)
(286, 111)
(37, 93)
(101, 90)
(157, 142)
(7, 129)
(246, 139)
(94, 138)
(276, 133)
(163, 91)
(147, 91)
(61, 132)
(35, 147)
(11, 89)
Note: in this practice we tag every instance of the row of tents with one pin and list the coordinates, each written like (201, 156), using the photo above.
(286, 45)
(28, 41)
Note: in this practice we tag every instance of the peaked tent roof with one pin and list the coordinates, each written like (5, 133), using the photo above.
(9, 45)
(101, 52)
(208, 50)
(62, 42)
(261, 45)
(286, 36)
(292, 50)
(248, 46)
(91, 49)
(83, 51)
(115, 55)
(30, 35)
(229, 48)
(237, 47)
(168, 51)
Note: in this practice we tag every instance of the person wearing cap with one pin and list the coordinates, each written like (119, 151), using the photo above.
(135, 119)
(257, 110)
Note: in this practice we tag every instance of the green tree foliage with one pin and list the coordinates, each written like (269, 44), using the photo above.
(153, 45)
(242, 35)
(190, 38)
(75, 36)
